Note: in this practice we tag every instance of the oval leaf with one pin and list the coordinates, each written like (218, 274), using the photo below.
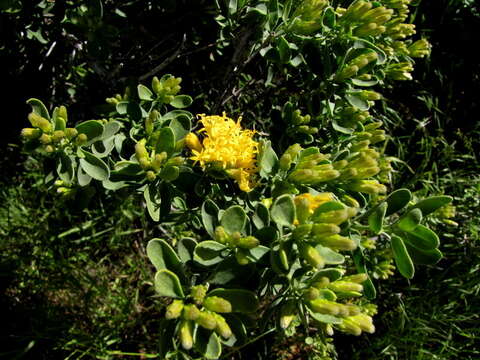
(330, 256)
(210, 216)
(422, 257)
(168, 284)
(166, 141)
(423, 238)
(94, 166)
(39, 108)
(163, 256)
(209, 253)
(397, 200)
(402, 258)
(283, 211)
(234, 219)
(144, 93)
(92, 128)
(433, 203)
(181, 101)
(375, 220)
(208, 344)
(410, 220)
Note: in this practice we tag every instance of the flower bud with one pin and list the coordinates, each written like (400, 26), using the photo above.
(217, 304)
(345, 286)
(285, 162)
(70, 133)
(206, 320)
(58, 135)
(364, 322)
(324, 307)
(241, 256)
(149, 121)
(45, 139)
(357, 278)
(287, 313)
(321, 283)
(420, 48)
(337, 242)
(49, 149)
(193, 143)
(157, 85)
(350, 327)
(31, 134)
(312, 256)
(190, 312)
(248, 242)
(198, 293)
(311, 293)
(150, 175)
(367, 186)
(174, 310)
(301, 231)
(222, 327)
(325, 229)
(39, 122)
(186, 334)
(81, 139)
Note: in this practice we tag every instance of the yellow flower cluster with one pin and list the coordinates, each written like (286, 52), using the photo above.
(227, 146)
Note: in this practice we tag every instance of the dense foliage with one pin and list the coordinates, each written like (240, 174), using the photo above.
(285, 229)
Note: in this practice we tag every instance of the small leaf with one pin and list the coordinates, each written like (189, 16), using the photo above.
(39, 108)
(181, 126)
(329, 17)
(94, 166)
(433, 203)
(356, 101)
(283, 211)
(163, 256)
(324, 318)
(209, 253)
(210, 216)
(397, 200)
(410, 220)
(208, 344)
(83, 178)
(185, 249)
(331, 274)
(268, 159)
(402, 258)
(234, 219)
(375, 220)
(168, 284)
(330, 256)
(144, 93)
(261, 217)
(166, 141)
(242, 300)
(422, 257)
(422, 238)
(92, 128)
(181, 101)
(110, 129)
(153, 201)
(284, 50)
(65, 168)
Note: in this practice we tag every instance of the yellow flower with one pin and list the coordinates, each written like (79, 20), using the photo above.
(226, 145)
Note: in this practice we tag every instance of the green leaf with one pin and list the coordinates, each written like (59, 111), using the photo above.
(110, 129)
(153, 201)
(243, 301)
(133, 110)
(94, 166)
(144, 93)
(65, 168)
(185, 249)
(283, 211)
(375, 220)
(163, 256)
(103, 148)
(328, 206)
(92, 128)
(402, 258)
(181, 126)
(39, 108)
(208, 344)
(329, 18)
(257, 253)
(168, 284)
(283, 50)
(422, 257)
(331, 274)
(422, 238)
(410, 220)
(83, 178)
(181, 101)
(324, 318)
(368, 288)
(356, 101)
(261, 217)
(234, 219)
(433, 203)
(330, 256)
(267, 159)
(397, 200)
(210, 216)
(209, 253)
(166, 141)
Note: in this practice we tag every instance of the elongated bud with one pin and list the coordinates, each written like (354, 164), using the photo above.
(186, 334)
(241, 256)
(150, 175)
(321, 282)
(367, 186)
(337, 242)
(222, 328)
(206, 320)
(40, 122)
(58, 135)
(287, 314)
(348, 310)
(217, 304)
(157, 85)
(70, 133)
(285, 162)
(311, 293)
(62, 112)
(158, 161)
(198, 293)
(193, 143)
(248, 242)
(141, 150)
(345, 286)
(31, 134)
(335, 217)
(364, 322)
(174, 310)
(301, 231)
(312, 256)
(350, 327)
(324, 307)
(45, 139)
(347, 73)
(190, 312)
(325, 229)
(283, 257)
(420, 48)
(176, 161)
(149, 121)
(357, 278)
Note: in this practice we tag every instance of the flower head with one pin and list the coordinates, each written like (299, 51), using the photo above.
(227, 146)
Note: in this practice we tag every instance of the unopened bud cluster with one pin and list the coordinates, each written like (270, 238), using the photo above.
(240, 244)
(307, 16)
(201, 310)
(52, 135)
(166, 88)
(355, 66)
(300, 124)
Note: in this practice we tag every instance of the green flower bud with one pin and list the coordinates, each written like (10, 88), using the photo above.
(347, 73)
(364, 322)
(345, 286)
(324, 307)
(222, 328)
(176, 161)
(350, 327)
(335, 217)
(285, 162)
(217, 304)
(49, 149)
(141, 150)
(150, 175)
(58, 135)
(190, 312)
(283, 258)
(198, 293)
(302, 231)
(174, 310)
(348, 310)
(420, 48)
(311, 293)
(241, 256)
(357, 278)
(157, 85)
(321, 282)
(287, 313)
(40, 122)
(186, 334)
(248, 242)
(158, 161)
(112, 101)
(62, 112)
(145, 164)
(312, 256)
(325, 229)
(337, 242)
(45, 139)
(206, 320)
(31, 134)
(149, 121)
(367, 186)
(81, 139)
(70, 133)
(370, 95)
